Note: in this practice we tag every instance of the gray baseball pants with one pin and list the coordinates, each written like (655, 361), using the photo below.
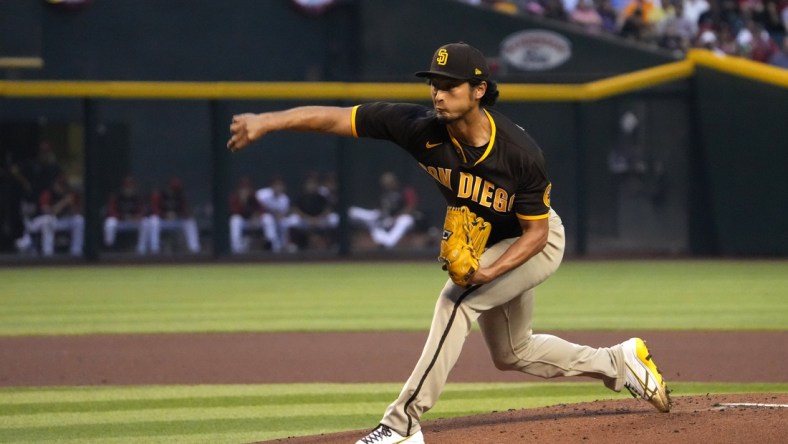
(503, 309)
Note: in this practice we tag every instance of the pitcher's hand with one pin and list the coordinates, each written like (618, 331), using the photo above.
(481, 276)
(245, 129)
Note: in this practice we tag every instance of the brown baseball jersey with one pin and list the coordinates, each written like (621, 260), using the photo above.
(501, 181)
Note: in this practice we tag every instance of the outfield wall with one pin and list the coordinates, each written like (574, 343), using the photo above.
(742, 110)
(663, 189)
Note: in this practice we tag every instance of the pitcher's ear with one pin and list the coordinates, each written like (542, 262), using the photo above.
(480, 90)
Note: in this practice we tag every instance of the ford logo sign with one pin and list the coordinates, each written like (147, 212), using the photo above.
(536, 50)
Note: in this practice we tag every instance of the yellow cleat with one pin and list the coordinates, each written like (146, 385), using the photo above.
(643, 379)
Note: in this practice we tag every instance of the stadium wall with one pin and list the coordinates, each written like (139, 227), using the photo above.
(670, 198)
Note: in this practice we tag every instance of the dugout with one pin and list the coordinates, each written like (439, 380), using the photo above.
(665, 188)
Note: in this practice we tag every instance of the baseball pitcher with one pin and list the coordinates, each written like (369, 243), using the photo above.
(501, 237)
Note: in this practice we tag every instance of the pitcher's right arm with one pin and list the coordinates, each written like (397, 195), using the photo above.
(247, 128)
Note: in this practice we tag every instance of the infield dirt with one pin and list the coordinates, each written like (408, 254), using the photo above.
(366, 357)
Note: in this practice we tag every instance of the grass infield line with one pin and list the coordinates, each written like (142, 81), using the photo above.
(218, 414)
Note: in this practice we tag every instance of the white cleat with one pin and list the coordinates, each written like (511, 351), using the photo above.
(642, 376)
(384, 435)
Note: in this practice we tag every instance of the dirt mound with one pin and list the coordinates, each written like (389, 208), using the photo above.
(693, 419)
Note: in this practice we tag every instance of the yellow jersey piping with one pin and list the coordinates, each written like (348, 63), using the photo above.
(537, 217)
(489, 145)
(353, 121)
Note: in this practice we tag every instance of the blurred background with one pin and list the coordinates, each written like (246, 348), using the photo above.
(692, 167)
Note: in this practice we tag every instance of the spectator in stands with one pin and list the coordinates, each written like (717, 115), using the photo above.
(767, 13)
(727, 40)
(310, 214)
(754, 42)
(619, 5)
(780, 58)
(126, 212)
(763, 46)
(59, 209)
(586, 15)
(608, 14)
(692, 10)
(246, 213)
(730, 14)
(651, 10)
(708, 41)
(503, 6)
(533, 7)
(744, 39)
(637, 20)
(276, 204)
(170, 210)
(388, 223)
(677, 31)
(554, 9)
(784, 16)
(641, 20)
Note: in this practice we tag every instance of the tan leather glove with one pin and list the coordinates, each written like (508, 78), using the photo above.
(464, 238)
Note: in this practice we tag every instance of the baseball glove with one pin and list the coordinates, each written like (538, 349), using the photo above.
(464, 238)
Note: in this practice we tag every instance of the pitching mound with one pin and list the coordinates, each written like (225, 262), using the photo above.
(719, 419)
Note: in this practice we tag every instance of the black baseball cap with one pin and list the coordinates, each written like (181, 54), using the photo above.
(459, 61)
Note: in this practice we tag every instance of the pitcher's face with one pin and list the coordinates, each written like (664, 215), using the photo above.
(453, 99)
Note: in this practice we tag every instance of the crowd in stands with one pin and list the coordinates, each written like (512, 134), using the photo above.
(752, 29)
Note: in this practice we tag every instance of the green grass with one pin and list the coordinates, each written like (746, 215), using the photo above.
(605, 295)
(233, 413)
(670, 295)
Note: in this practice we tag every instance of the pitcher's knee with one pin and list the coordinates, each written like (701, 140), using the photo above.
(506, 361)
(508, 358)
